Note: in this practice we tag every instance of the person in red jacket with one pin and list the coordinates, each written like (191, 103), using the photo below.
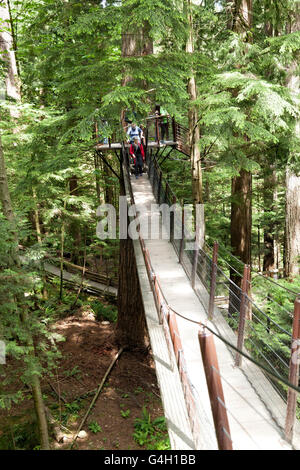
(137, 153)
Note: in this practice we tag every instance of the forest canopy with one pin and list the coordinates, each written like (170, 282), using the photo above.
(226, 71)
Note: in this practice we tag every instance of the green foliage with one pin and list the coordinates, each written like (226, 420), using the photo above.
(75, 372)
(104, 312)
(152, 433)
(72, 71)
(70, 413)
(125, 413)
(95, 427)
(20, 434)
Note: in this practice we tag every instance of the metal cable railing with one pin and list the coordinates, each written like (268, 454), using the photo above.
(267, 336)
(167, 319)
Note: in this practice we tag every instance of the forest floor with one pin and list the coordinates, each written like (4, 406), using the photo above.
(128, 413)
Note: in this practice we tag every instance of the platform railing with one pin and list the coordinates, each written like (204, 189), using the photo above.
(158, 129)
(168, 320)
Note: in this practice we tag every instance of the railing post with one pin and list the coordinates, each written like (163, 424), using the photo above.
(150, 163)
(181, 248)
(167, 192)
(174, 129)
(293, 374)
(155, 292)
(242, 322)
(213, 282)
(146, 140)
(195, 258)
(159, 186)
(215, 390)
(172, 221)
(157, 130)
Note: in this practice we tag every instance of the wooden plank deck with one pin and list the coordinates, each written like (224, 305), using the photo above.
(165, 363)
(252, 423)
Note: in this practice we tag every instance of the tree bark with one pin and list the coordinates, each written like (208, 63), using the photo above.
(292, 220)
(97, 168)
(269, 261)
(37, 217)
(135, 43)
(194, 132)
(12, 84)
(131, 324)
(4, 190)
(241, 194)
(241, 216)
(239, 16)
(40, 412)
(74, 227)
(108, 184)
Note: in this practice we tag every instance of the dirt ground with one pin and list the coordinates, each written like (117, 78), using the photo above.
(130, 392)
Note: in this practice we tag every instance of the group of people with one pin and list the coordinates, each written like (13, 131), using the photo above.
(136, 140)
(136, 150)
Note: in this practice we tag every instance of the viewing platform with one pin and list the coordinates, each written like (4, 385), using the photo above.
(176, 137)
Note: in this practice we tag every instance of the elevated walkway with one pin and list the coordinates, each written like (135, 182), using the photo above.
(176, 136)
(96, 288)
(253, 424)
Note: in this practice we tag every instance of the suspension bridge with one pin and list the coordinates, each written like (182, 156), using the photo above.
(222, 385)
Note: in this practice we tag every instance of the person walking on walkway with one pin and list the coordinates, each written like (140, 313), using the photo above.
(134, 132)
(164, 124)
(138, 155)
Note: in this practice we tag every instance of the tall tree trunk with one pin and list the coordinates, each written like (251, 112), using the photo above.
(292, 221)
(4, 190)
(37, 217)
(194, 132)
(241, 206)
(241, 193)
(40, 412)
(131, 324)
(269, 262)
(108, 184)
(135, 43)
(241, 216)
(8, 56)
(97, 169)
(239, 16)
(75, 229)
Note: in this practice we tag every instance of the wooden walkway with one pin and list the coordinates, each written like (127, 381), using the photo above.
(88, 285)
(253, 425)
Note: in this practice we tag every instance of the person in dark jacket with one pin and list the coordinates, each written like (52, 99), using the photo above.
(137, 153)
